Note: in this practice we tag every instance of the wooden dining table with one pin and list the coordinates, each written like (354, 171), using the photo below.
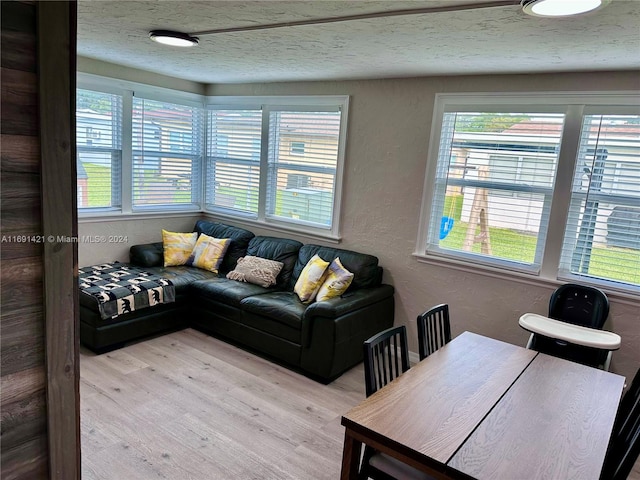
(483, 409)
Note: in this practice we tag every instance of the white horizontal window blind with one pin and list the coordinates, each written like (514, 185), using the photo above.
(602, 236)
(233, 160)
(494, 185)
(99, 149)
(167, 145)
(302, 160)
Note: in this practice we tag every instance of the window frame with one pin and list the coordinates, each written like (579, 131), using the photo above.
(127, 90)
(269, 104)
(575, 106)
(196, 158)
(116, 170)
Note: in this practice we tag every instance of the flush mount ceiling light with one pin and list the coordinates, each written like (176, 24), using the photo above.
(175, 39)
(560, 8)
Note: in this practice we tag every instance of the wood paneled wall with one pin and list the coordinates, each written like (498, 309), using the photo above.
(23, 397)
(29, 370)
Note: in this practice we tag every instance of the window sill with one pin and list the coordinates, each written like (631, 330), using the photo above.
(508, 275)
(249, 223)
(117, 216)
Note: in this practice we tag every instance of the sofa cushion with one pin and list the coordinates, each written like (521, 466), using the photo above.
(366, 273)
(223, 290)
(282, 250)
(183, 276)
(283, 307)
(239, 241)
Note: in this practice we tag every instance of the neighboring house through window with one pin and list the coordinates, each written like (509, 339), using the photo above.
(506, 182)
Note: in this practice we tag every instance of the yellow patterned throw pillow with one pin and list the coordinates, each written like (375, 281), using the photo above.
(310, 279)
(177, 247)
(336, 282)
(208, 252)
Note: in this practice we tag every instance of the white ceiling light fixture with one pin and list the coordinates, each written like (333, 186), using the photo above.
(174, 39)
(560, 8)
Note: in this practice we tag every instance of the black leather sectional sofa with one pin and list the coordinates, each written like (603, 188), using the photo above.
(322, 339)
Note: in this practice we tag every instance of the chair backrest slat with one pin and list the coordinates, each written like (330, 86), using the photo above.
(386, 357)
(434, 330)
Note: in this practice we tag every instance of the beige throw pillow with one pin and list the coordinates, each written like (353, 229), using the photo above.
(260, 271)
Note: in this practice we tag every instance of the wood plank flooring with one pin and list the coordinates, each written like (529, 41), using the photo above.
(187, 406)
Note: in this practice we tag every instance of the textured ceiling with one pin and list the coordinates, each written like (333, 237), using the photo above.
(491, 40)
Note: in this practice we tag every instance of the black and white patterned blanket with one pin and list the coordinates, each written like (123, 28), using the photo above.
(121, 288)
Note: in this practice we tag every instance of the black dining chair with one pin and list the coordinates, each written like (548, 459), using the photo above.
(386, 357)
(629, 400)
(434, 330)
(579, 305)
(625, 439)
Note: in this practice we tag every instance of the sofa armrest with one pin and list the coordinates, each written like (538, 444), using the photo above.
(147, 255)
(333, 331)
(349, 302)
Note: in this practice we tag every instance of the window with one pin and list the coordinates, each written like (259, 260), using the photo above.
(495, 185)
(274, 164)
(297, 148)
(602, 238)
(500, 182)
(167, 154)
(301, 185)
(277, 160)
(99, 149)
(233, 153)
(137, 152)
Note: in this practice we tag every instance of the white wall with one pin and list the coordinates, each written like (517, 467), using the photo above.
(108, 241)
(112, 70)
(387, 144)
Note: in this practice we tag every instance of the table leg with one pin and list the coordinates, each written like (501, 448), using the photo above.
(350, 457)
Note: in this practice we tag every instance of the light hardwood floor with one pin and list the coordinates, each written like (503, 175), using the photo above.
(188, 406)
